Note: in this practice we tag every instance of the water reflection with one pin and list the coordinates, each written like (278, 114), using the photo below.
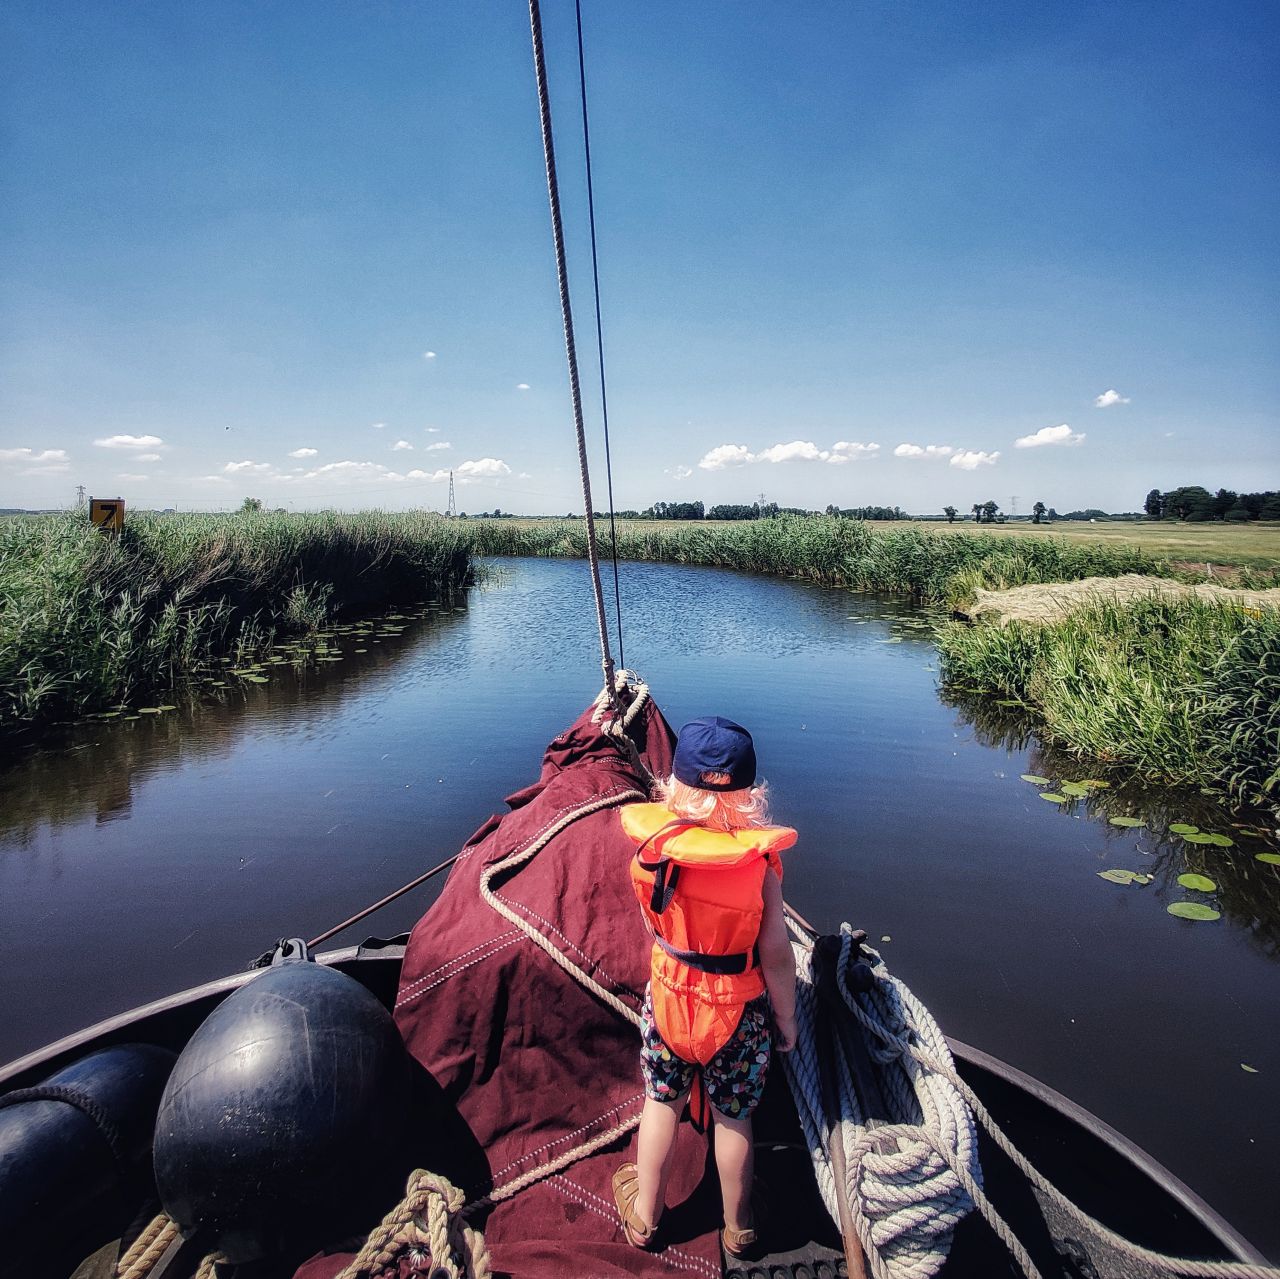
(1247, 892)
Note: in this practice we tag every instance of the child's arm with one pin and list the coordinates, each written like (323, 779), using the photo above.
(778, 964)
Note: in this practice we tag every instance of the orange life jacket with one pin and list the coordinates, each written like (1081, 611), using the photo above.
(701, 893)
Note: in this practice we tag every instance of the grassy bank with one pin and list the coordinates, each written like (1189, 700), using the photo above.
(927, 562)
(87, 621)
(1184, 691)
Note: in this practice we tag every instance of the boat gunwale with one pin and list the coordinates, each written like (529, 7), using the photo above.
(389, 951)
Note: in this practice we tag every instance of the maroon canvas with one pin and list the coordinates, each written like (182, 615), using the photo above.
(534, 1063)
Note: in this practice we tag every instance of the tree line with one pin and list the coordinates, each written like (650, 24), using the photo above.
(1195, 505)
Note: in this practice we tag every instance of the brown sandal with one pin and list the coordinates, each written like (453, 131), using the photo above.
(626, 1186)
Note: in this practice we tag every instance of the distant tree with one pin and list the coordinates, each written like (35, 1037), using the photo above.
(251, 504)
(950, 513)
(977, 512)
(1154, 505)
(1190, 503)
(1223, 501)
(1037, 512)
(989, 510)
(1270, 508)
(1238, 514)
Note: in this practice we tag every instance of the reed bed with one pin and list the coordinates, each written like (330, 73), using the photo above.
(931, 566)
(1185, 691)
(88, 621)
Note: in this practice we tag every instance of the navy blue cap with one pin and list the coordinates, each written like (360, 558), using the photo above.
(715, 745)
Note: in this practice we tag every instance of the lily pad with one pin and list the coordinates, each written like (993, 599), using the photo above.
(1094, 784)
(1184, 828)
(1035, 779)
(1248, 1070)
(1128, 822)
(1053, 797)
(1074, 789)
(1200, 838)
(1124, 877)
(1272, 859)
(256, 679)
(1220, 841)
(1193, 910)
(1201, 883)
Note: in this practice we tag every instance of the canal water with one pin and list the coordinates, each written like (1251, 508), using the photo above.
(140, 856)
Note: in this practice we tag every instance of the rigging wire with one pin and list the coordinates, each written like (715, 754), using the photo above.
(595, 279)
(571, 352)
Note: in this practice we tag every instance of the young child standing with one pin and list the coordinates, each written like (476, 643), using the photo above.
(709, 880)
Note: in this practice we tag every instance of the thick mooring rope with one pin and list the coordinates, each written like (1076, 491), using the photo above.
(908, 1181)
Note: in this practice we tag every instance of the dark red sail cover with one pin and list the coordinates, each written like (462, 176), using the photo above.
(534, 1063)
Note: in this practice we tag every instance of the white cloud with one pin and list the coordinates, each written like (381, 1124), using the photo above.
(1108, 398)
(246, 468)
(432, 430)
(971, 459)
(482, 468)
(724, 455)
(679, 472)
(50, 461)
(1062, 435)
(845, 451)
(400, 446)
(214, 479)
(438, 445)
(796, 451)
(304, 452)
(378, 426)
(522, 386)
(130, 478)
(930, 452)
(428, 355)
(146, 442)
(147, 457)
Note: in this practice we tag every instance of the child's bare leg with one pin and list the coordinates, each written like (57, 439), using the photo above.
(735, 1162)
(657, 1140)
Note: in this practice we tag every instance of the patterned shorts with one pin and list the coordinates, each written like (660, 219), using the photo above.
(734, 1077)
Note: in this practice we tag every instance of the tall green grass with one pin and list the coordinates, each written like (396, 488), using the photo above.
(934, 566)
(87, 620)
(1186, 691)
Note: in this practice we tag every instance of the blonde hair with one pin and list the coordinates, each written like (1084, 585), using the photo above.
(716, 810)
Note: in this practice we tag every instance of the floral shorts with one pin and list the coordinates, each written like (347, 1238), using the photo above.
(734, 1077)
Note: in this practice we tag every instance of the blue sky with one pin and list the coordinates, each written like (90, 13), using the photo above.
(302, 253)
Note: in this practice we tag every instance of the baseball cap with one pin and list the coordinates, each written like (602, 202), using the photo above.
(713, 744)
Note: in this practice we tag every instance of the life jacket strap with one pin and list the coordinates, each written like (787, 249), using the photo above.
(717, 965)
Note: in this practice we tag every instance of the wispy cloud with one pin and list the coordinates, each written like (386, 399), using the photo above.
(247, 468)
(131, 442)
(304, 452)
(432, 430)
(428, 355)
(438, 445)
(971, 459)
(930, 452)
(378, 426)
(678, 472)
(1108, 398)
(401, 446)
(131, 478)
(147, 457)
(1060, 435)
(724, 456)
(522, 386)
(29, 457)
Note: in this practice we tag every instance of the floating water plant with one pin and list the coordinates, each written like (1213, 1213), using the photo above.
(1077, 790)
(1035, 779)
(1271, 859)
(1193, 910)
(1184, 828)
(1205, 837)
(1053, 797)
(1201, 883)
(1125, 877)
(1127, 822)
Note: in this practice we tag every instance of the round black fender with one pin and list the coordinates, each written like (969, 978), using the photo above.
(73, 1156)
(281, 1125)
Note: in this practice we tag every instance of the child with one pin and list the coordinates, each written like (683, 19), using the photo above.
(709, 880)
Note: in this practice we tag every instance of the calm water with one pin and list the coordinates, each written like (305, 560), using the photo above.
(141, 857)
